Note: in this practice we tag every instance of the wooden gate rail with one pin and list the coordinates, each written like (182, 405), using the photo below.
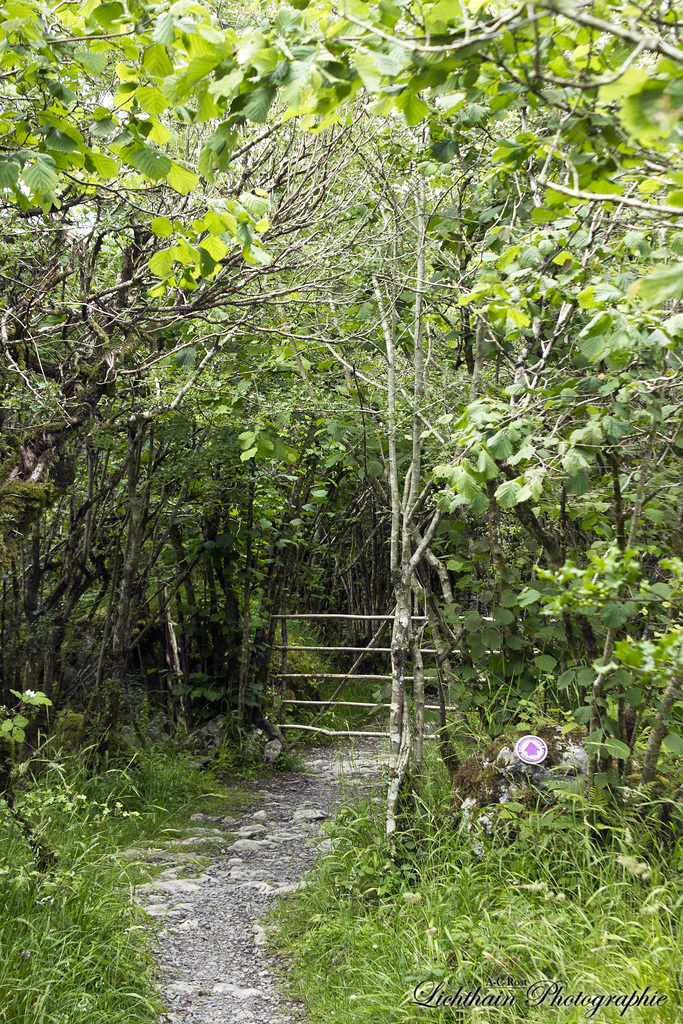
(343, 650)
(345, 677)
(361, 704)
(340, 615)
(341, 732)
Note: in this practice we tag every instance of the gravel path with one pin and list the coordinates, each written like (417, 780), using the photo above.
(210, 946)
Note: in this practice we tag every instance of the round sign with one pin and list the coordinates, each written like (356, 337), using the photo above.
(531, 749)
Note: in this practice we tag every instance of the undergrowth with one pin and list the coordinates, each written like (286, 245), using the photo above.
(73, 944)
(594, 909)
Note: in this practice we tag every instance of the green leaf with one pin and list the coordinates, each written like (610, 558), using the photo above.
(674, 743)
(162, 262)
(617, 749)
(151, 162)
(181, 180)
(215, 247)
(60, 141)
(594, 348)
(530, 257)
(104, 165)
(103, 127)
(414, 109)
(162, 227)
(151, 99)
(545, 662)
(164, 31)
(507, 495)
(582, 715)
(577, 484)
(95, 62)
(9, 172)
(186, 359)
(253, 204)
(593, 742)
(467, 485)
(486, 465)
(259, 103)
(156, 61)
(368, 71)
(499, 445)
(40, 176)
(661, 285)
(207, 263)
(613, 614)
(108, 14)
(634, 696)
(528, 597)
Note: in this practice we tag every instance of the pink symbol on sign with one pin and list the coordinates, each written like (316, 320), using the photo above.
(531, 749)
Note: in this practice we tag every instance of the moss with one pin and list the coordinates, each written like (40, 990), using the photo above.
(118, 746)
(20, 504)
(478, 782)
(70, 731)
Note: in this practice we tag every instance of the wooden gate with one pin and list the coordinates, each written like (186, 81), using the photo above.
(373, 648)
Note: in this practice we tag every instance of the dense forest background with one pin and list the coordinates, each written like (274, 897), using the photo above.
(357, 309)
(365, 309)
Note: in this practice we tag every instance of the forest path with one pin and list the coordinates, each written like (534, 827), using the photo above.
(210, 944)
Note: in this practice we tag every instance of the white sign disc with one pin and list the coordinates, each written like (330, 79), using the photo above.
(531, 749)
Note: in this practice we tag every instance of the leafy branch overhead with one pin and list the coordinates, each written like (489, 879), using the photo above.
(352, 305)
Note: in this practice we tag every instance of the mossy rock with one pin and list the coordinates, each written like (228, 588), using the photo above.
(70, 734)
(118, 746)
(483, 784)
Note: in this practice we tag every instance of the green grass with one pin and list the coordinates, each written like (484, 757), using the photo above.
(73, 944)
(554, 903)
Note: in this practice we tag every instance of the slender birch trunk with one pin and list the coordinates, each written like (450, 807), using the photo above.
(403, 507)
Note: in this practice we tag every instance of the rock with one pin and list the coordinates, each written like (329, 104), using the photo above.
(178, 988)
(130, 736)
(208, 738)
(235, 990)
(483, 783)
(250, 831)
(70, 732)
(189, 925)
(308, 814)
(158, 730)
(174, 885)
(260, 936)
(260, 816)
(272, 750)
(248, 845)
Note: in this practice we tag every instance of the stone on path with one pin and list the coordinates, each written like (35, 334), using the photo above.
(211, 947)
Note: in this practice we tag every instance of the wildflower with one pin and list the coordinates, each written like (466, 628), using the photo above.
(29, 693)
(25, 954)
(636, 867)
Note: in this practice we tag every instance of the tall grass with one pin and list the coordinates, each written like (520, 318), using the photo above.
(73, 944)
(597, 909)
